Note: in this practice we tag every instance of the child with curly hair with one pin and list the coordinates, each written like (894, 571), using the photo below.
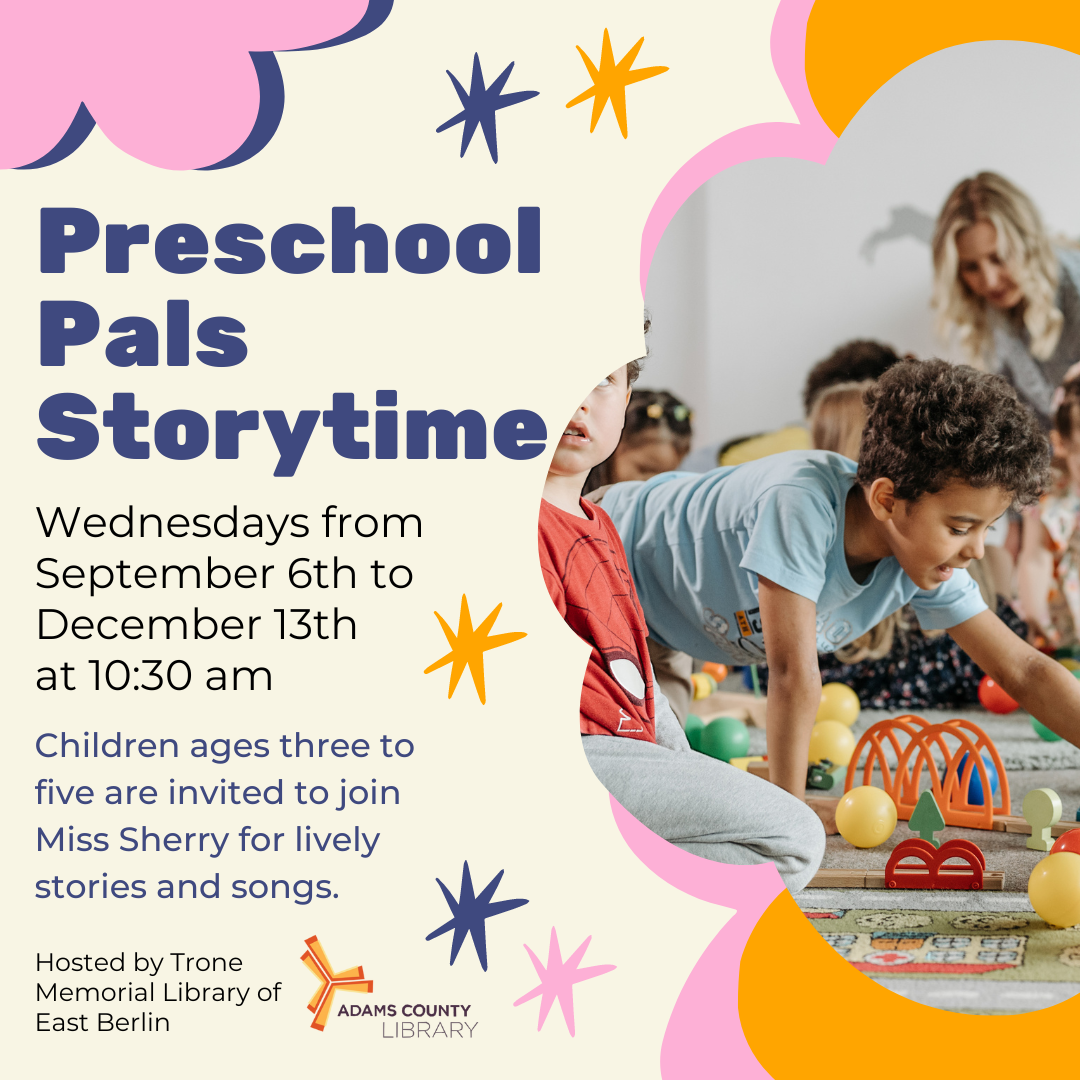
(803, 552)
(896, 665)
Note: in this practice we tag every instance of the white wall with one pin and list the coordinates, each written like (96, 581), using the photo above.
(764, 270)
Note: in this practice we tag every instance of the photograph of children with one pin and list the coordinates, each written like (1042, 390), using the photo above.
(857, 463)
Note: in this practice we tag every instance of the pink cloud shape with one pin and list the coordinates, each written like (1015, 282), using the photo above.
(171, 84)
(704, 1036)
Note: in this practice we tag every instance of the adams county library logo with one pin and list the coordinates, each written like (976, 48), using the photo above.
(330, 981)
(352, 980)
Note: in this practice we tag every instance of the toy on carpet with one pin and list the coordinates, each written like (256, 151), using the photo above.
(819, 775)
(1044, 732)
(718, 671)
(1069, 841)
(838, 702)
(832, 740)
(926, 818)
(953, 740)
(703, 684)
(751, 679)
(866, 816)
(993, 697)
(975, 788)
(693, 728)
(931, 869)
(747, 764)
(837, 878)
(725, 738)
(1042, 810)
(1054, 888)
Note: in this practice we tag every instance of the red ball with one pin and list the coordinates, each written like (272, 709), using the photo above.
(1067, 841)
(994, 698)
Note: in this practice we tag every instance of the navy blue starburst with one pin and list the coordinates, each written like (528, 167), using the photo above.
(479, 105)
(470, 911)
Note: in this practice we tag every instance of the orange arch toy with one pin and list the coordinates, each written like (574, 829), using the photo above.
(953, 740)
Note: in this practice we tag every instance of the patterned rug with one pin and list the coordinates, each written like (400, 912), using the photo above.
(1012, 946)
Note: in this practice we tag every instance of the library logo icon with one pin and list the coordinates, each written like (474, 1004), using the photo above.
(330, 981)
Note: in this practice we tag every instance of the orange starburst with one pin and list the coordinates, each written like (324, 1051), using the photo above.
(467, 647)
(610, 81)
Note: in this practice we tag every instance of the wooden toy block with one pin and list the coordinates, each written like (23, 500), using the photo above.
(917, 864)
(842, 879)
(825, 808)
(926, 818)
(759, 769)
(744, 763)
(1013, 824)
(1042, 810)
(993, 880)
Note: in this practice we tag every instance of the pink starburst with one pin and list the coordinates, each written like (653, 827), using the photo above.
(558, 978)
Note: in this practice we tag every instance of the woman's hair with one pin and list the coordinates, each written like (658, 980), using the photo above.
(838, 418)
(1025, 250)
(650, 412)
(851, 362)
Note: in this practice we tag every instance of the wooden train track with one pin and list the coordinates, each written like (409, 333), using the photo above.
(993, 880)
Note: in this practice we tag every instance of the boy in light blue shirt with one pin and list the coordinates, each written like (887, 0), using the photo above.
(805, 551)
(780, 518)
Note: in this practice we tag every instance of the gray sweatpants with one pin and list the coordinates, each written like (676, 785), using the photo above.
(705, 806)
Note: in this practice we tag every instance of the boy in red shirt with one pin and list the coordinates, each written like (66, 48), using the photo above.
(631, 737)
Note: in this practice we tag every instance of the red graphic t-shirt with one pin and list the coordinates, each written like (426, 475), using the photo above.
(585, 569)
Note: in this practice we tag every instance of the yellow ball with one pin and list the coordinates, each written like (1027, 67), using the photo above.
(704, 685)
(833, 740)
(866, 817)
(1070, 664)
(1054, 888)
(838, 702)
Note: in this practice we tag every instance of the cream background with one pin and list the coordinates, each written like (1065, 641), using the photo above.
(503, 785)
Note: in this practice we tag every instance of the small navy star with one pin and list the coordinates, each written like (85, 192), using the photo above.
(469, 913)
(480, 104)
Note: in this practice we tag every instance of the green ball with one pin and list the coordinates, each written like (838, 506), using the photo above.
(1044, 732)
(693, 728)
(725, 738)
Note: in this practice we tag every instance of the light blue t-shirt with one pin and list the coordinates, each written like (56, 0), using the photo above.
(696, 543)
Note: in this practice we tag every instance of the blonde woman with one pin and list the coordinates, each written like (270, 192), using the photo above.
(1004, 291)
